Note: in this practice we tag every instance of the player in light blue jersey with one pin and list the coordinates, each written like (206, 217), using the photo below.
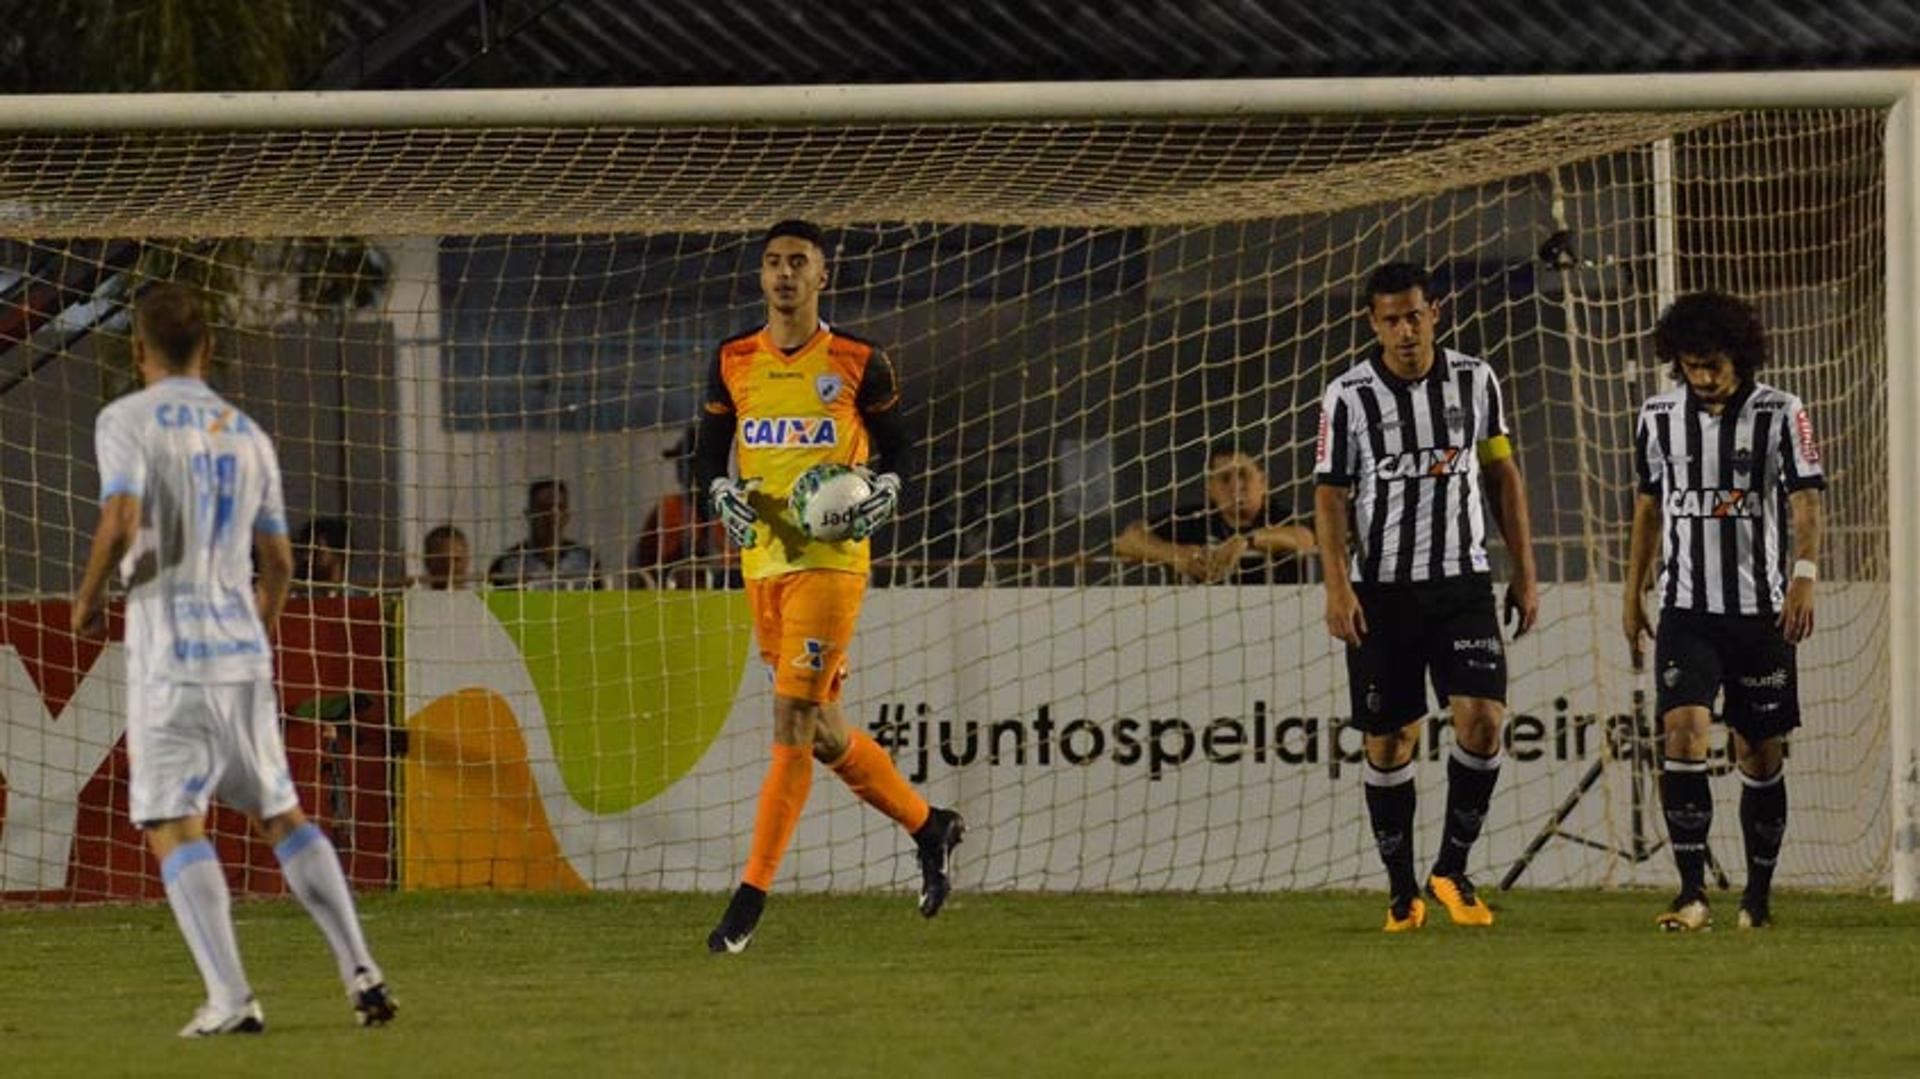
(189, 492)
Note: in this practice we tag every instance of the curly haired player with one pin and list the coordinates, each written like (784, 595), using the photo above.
(1724, 461)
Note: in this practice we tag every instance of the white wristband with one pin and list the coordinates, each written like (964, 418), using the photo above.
(1804, 568)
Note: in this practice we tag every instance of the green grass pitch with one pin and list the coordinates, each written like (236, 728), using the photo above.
(1565, 985)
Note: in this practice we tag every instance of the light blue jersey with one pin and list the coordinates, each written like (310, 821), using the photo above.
(207, 478)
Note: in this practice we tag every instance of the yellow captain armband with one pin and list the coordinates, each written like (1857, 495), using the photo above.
(1495, 449)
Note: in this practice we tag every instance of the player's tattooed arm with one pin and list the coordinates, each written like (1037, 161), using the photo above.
(1641, 548)
(1809, 521)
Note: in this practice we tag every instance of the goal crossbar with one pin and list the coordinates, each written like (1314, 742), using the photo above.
(952, 103)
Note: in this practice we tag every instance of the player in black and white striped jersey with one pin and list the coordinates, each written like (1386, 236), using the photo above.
(1724, 461)
(1405, 438)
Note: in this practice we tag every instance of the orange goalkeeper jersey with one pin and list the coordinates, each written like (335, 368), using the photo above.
(794, 410)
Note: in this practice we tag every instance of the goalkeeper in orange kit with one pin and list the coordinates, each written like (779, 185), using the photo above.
(790, 395)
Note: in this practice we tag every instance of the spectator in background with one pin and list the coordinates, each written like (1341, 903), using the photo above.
(546, 559)
(320, 557)
(677, 530)
(447, 558)
(1239, 535)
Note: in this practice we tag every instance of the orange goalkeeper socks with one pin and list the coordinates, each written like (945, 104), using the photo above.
(867, 770)
(783, 794)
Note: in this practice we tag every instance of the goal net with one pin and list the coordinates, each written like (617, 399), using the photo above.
(430, 319)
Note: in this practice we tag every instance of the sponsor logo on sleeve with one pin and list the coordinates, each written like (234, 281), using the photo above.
(1809, 449)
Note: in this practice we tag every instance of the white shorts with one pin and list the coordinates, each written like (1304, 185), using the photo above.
(190, 742)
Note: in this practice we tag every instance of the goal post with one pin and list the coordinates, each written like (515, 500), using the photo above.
(1903, 470)
(1084, 285)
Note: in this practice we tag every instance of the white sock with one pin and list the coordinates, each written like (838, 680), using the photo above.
(197, 891)
(312, 869)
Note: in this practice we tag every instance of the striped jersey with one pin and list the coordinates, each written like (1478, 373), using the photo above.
(207, 479)
(1723, 483)
(794, 410)
(1408, 453)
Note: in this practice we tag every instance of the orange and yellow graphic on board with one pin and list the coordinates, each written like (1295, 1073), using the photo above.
(472, 810)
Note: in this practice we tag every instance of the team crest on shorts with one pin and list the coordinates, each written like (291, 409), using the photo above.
(1374, 700)
(828, 387)
(1671, 676)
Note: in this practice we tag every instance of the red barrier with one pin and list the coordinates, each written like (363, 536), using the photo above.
(332, 666)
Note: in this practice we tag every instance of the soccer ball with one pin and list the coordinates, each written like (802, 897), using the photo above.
(824, 499)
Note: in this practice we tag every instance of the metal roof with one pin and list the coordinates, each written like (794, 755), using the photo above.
(506, 43)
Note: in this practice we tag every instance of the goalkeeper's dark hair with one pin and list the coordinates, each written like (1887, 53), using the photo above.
(173, 322)
(1395, 277)
(799, 229)
(1707, 324)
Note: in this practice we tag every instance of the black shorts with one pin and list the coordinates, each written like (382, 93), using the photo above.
(1446, 630)
(1696, 655)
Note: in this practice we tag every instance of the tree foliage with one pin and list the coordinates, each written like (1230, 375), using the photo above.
(136, 46)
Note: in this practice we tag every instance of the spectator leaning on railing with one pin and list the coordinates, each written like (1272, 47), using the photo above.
(1240, 535)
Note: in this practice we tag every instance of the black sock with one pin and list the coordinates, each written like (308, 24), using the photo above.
(1470, 782)
(1390, 809)
(1763, 821)
(1688, 803)
(744, 909)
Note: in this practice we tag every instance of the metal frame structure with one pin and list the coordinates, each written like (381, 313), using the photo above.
(1896, 91)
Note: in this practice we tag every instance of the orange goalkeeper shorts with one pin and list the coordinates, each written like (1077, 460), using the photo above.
(803, 622)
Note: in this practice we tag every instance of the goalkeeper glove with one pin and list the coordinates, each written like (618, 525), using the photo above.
(730, 502)
(875, 509)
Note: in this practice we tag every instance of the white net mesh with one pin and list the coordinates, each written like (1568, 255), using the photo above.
(481, 181)
(1076, 310)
